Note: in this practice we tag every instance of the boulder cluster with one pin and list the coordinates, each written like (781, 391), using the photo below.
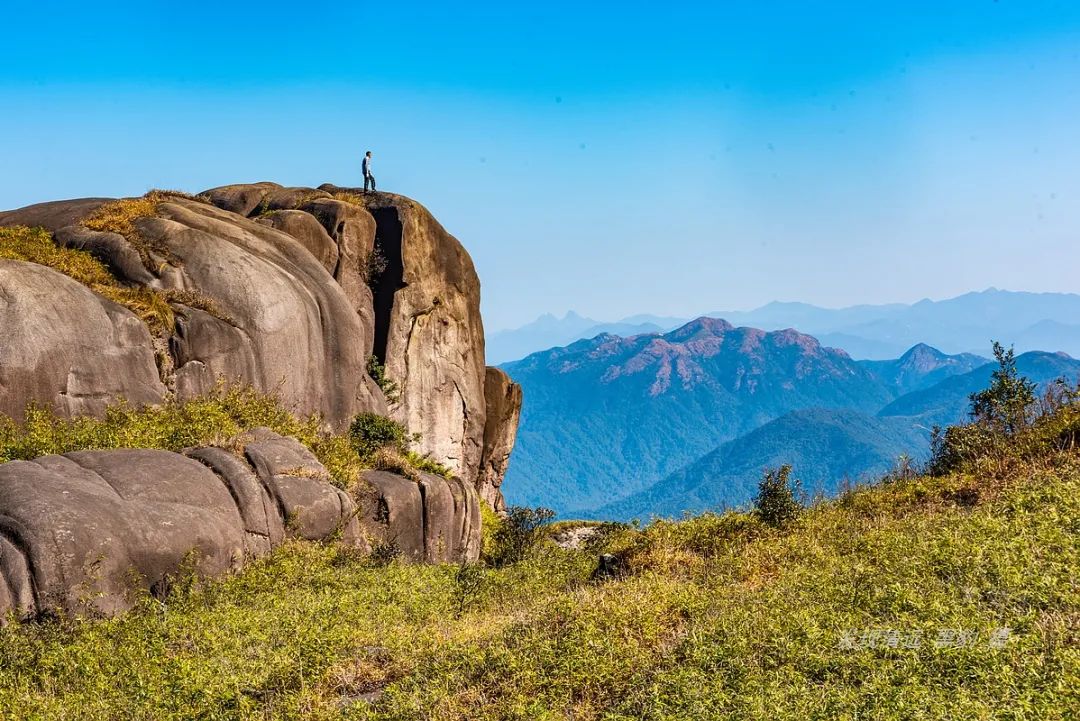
(293, 291)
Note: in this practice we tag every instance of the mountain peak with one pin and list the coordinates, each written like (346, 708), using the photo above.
(698, 326)
(920, 352)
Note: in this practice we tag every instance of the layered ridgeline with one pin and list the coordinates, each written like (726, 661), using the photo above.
(1027, 321)
(340, 305)
(659, 424)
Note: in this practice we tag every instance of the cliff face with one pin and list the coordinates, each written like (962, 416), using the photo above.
(291, 291)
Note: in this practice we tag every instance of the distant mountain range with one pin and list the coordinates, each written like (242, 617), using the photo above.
(660, 423)
(1029, 321)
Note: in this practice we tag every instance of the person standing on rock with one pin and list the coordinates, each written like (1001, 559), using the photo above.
(368, 177)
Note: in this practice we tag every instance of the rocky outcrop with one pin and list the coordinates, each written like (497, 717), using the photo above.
(503, 403)
(423, 306)
(428, 330)
(262, 255)
(63, 346)
(86, 532)
(282, 324)
(54, 214)
(432, 519)
(83, 532)
(289, 290)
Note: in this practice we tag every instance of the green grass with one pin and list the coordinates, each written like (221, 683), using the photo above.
(715, 617)
(219, 418)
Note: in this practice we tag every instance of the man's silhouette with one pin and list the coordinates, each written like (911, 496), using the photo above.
(368, 177)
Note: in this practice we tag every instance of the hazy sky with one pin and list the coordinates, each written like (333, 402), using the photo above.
(613, 158)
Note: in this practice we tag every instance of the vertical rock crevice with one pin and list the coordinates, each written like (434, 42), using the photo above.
(388, 243)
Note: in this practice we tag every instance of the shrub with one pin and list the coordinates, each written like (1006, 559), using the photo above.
(119, 216)
(427, 464)
(370, 432)
(35, 245)
(1008, 404)
(778, 499)
(1008, 422)
(517, 534)
(377, 371)
(373, 266)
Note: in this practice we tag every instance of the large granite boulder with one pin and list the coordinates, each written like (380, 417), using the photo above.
(54, 214)
(282, 323)
(503, 401)
(424, 307)
(272, 287)
(67, 348)
(431, 519)
(82, 532)
(428, 330)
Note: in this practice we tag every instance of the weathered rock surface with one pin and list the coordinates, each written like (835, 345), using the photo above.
(112, 249)
(284, 324)
(503, 403)
(65, 347)
(86, 531)
(306, 229)
(431, 519)
(280, 278)
(81, 532)
(428, 330)
(53, 215)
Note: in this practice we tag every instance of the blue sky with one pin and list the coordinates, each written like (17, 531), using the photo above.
(613, 158)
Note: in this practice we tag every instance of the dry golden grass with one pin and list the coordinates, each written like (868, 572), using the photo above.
(34, 245)
(391, 459)
(351, 198)
(119, 216)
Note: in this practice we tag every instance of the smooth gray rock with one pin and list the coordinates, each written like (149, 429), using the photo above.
(289, 328)
(82, 532)
(260, 512)
(112, 249)
(353, 230)
(243, 199)
(96, 524)
(16, 584)
(441, 540)
(287, 198)
(311, 506)
(399, 514)
(64, 346)
(433, 519)
(308, 232)
(53, 215)
(503, 402)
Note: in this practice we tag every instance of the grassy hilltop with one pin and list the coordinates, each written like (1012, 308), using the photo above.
(952, 595)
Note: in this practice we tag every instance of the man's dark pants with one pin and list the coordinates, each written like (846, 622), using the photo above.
(369, 179)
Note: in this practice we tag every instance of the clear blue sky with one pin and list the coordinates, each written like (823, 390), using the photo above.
(613, 158)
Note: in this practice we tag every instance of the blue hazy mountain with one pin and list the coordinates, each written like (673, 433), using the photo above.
(1030, 321)
(921, 367)
(946, 403)
(609, 416)
(825, 447)
(611, 425)
(548, 331)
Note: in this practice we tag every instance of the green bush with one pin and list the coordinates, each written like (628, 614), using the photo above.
(377, 371)
(217, 418)
(1009, 423)
(778, 499)
(517, 534)
(1008, 404)
(370, 432)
